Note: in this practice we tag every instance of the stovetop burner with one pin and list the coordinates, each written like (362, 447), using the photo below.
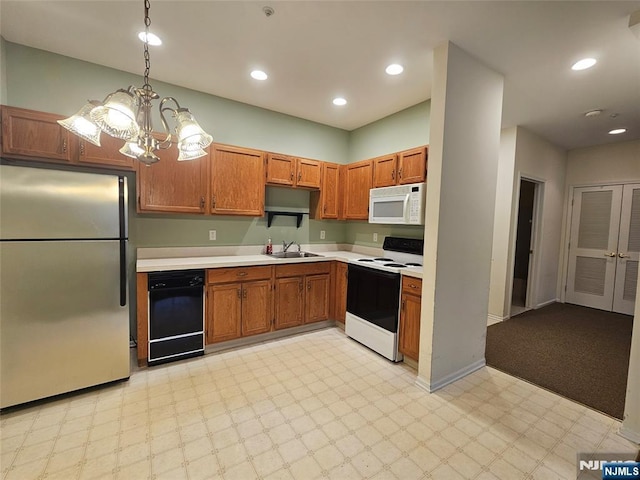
(383, 259)
(395, 265)
(365, 260)
(411, 264)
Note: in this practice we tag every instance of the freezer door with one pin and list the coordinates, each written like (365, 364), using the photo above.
(38, 203)
(61, 324)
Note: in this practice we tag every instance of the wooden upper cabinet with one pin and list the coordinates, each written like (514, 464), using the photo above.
(289, 171)
(412, 165)
(172, 186)
(308, 173)
(106, 155)
(281, 169)
(358, 180)
(385, 170)
(36, 135)
(237, 181)
(324, 204)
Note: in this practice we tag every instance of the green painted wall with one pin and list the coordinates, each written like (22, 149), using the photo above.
(30, 72)
(3, 72)
(403, 130)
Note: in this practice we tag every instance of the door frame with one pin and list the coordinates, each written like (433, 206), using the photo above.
(536, 241)
(564, 273)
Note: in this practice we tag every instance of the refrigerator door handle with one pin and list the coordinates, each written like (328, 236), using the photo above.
(123, 272)
(122, 207)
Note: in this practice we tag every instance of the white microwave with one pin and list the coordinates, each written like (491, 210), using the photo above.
(399, 204)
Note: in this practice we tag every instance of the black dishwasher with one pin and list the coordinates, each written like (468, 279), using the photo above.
(176, 315)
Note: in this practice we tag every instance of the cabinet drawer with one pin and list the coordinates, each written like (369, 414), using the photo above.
(235, 274)
(412, 286)
(300, 269)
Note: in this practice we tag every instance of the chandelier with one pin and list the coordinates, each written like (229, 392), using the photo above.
(126, 114)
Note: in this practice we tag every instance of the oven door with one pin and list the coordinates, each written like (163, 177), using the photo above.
(374, 295)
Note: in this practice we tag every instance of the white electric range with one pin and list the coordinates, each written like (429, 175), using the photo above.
(373, 294)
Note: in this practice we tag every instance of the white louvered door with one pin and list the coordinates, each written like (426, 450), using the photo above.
(595, 223)
(624, 292)
(603, 253)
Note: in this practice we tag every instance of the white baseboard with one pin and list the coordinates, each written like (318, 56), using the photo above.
(463, 372)
(493, 319)
(548, 302)
(629, 434)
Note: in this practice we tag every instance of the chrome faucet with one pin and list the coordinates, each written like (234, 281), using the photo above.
(286, 246)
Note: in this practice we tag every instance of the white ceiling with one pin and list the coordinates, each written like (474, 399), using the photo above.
(316, 50)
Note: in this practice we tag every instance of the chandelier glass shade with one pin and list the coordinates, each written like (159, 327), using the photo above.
(126, 114)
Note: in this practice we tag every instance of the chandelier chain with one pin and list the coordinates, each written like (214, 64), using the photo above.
(147, 60)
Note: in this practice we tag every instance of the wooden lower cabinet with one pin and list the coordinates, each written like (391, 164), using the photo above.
(238, 308)
(256, 307)
(317, 298)
(289, 303)
(224, 305)
(302, 293)
(409, 343)
(340, 279)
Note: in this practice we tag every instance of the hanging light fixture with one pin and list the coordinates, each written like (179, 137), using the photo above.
(126, 114)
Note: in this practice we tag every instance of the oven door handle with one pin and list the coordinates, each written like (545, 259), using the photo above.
(405, 207)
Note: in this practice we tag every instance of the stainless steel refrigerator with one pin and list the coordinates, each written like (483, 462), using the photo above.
(64, 315)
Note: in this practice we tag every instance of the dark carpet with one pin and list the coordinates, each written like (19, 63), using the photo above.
(578, 352)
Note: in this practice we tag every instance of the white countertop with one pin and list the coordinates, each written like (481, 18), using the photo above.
(243, 260)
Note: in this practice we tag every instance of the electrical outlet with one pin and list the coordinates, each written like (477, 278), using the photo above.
(375, 237)
(322, 234)
(212, 235)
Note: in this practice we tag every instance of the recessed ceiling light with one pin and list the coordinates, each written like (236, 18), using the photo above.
(339, 101)
(150, 38)
(394, 69)
(617, 131)
(593, 113)
(259, 75)
(584, 64)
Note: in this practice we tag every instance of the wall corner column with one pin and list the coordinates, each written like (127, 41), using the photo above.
(464, 148)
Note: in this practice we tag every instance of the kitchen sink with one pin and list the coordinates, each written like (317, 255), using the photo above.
(293, 255)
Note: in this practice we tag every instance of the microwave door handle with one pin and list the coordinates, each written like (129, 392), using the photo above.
(405, 208)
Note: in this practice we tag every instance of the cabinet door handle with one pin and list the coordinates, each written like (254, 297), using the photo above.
(403, 304)
(622, 255)
(244, 293)
(213, 201)
(242, 274)
(393, 174)
(201, 203)
(300, 286)
(299, 176)
(413, 285)
(308, 286)
(400, 173)
(610, 254)
(64, 145)
(239, 293)
(292, 176)
(81, 148)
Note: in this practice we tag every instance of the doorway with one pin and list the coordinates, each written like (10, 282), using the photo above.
(604, 247)
(524, 252)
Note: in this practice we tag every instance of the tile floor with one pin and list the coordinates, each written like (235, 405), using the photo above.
(317, 405)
